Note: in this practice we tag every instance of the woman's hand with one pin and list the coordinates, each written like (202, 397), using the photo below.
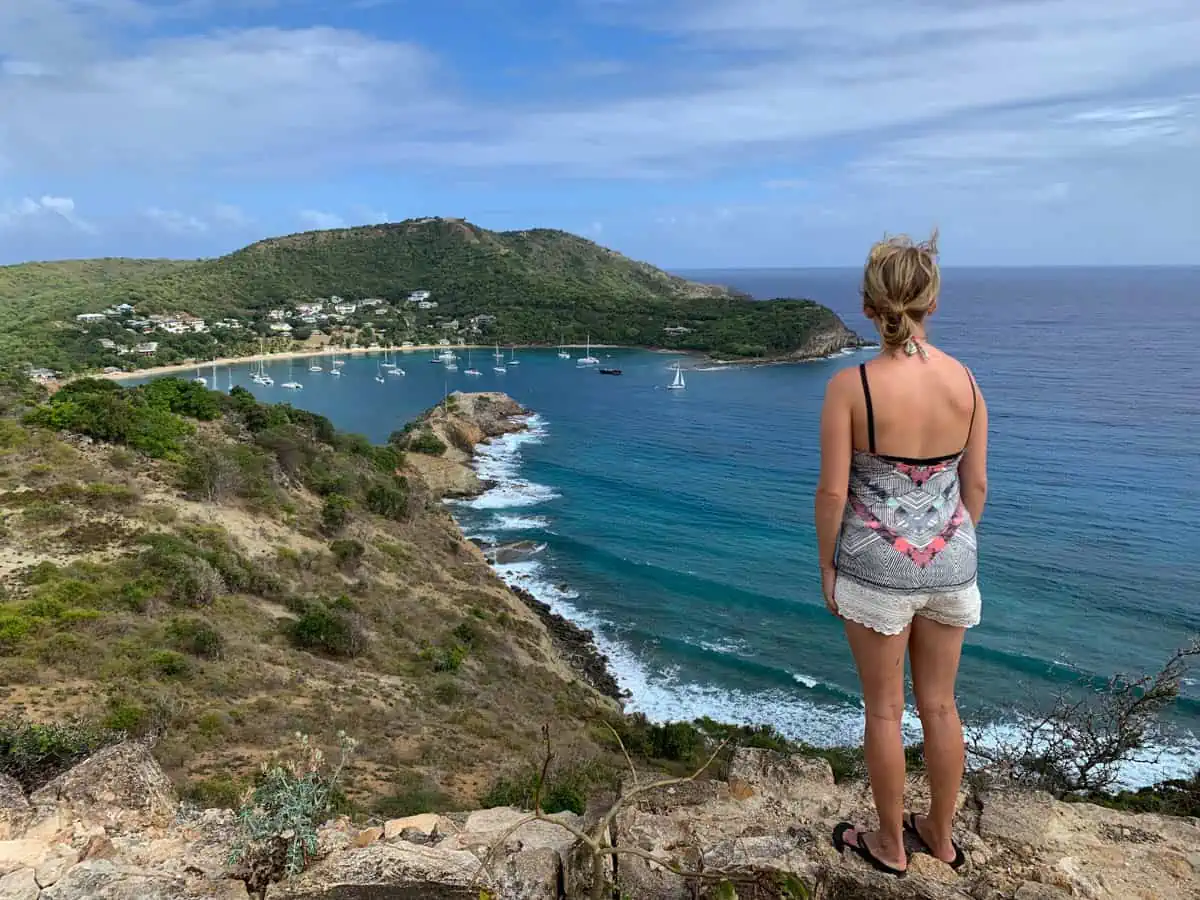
(828, 580)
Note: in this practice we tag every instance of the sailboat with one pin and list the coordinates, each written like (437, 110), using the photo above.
(229, 372)
(514, 361)
(333, 365)
(498, 356)
(315, 367)
(261, 376)
(471, 370)
(678, 384)
(387, 360)
(588, 360)
(562, 349)
(199, 379)
(292, 384)
(379, 373)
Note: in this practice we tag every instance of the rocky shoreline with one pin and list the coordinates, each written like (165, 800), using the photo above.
(475, 419)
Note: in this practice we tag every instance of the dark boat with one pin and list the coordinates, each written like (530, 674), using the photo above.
(610, 371)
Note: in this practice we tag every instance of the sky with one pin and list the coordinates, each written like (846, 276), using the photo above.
(690, 133)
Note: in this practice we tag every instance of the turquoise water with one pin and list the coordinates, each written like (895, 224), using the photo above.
(678, 524)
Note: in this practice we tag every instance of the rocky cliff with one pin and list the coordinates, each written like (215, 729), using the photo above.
(111, 829)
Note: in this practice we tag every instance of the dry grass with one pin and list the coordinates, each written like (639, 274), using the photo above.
(99, 648)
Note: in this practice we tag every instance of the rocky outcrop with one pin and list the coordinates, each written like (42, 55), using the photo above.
(764, 829)
(462, 423)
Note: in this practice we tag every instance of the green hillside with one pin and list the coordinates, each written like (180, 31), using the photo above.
(541, 286)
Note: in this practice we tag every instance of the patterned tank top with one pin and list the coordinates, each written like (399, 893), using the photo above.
(905, 528)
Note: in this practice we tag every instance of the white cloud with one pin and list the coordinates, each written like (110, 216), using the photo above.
(175, 222)
(231, 216)
(47, 210)
(315, 218)
(786, 184)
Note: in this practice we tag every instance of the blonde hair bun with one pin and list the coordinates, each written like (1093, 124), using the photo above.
(901, 281)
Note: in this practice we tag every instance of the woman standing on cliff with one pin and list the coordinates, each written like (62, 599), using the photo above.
(902, 487)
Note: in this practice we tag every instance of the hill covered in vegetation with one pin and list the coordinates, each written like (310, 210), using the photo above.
(517, 287)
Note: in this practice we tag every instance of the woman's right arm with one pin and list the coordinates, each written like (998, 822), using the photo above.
(973, 469)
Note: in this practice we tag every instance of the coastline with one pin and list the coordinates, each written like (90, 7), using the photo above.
(322, 351)
(489, 417)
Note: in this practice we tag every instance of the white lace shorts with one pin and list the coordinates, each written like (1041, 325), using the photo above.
(890, 612)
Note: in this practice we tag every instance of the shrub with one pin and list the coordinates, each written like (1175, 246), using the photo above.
(169, 663)
(388, 499)
(197, 637)
(324, 630)
(445, 657)
(219, 792)
(348, 553)
(35, 753)
(14, 627)
(194, 581)
(425, 441)
(277, 823)
(209, 473)
(335, 513)
(566, 788)
(414, 794)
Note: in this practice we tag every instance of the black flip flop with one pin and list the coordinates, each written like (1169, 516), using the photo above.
(910, 825)
(861, 848)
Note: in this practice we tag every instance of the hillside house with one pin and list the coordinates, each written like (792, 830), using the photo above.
(107, 344)
(419, 296)
(345, 309)
(277, 315)
(282, 327)
(43, 375)
(146, 349)
(90, 318)
(676, 330)
(427, 304)
(371, 301)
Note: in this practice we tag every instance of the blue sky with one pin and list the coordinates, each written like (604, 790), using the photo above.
(692, 133)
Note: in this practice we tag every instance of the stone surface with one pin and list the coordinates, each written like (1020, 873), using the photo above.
(22, 853)
(19, 885)
(119, 787)
(109, 831)
(54, 867)
(15, 811)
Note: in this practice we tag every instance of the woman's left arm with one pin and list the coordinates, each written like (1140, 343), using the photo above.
(836, 448)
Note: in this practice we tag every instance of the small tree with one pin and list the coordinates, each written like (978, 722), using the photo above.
(1079, 743)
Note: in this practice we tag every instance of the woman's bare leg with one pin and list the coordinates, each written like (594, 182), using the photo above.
(880, 662)
(934, 651)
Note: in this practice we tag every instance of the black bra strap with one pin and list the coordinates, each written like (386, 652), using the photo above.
(862, 371)
(974, 405)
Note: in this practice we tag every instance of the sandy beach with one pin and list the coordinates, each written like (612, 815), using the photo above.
(321, 351)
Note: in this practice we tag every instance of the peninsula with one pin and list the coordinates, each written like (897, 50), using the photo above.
(420, 282)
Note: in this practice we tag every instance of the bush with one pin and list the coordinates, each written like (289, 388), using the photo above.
(425, 441)
(414, 794)
(348, 553)
(215, 793)
(565, 789)
(335, 513)
(445, 657)
(324, 630)
(277, 825)
(35, 754)
(194, 581)
(197, 637)
(388, 500)
(170, 664)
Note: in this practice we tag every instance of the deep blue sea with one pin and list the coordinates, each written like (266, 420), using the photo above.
(678, 525)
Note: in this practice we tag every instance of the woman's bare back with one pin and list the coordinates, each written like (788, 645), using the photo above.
(923, 407)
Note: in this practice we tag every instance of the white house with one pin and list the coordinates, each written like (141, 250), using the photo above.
(90, 317)
(418, 296)
(283, 327)
(427, 304)
(108, 344)
(676, 330)
(371, 301)
(147, 348)
(346, 309)
(277, 315)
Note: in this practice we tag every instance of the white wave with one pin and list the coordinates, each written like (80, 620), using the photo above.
(724, 645)
(500, 461)
(807, 680)
(519, 523)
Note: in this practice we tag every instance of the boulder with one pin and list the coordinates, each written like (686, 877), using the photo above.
(19, 885)
(15, 811)
(120, 787)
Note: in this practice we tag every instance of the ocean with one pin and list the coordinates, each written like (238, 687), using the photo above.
(678, 525)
